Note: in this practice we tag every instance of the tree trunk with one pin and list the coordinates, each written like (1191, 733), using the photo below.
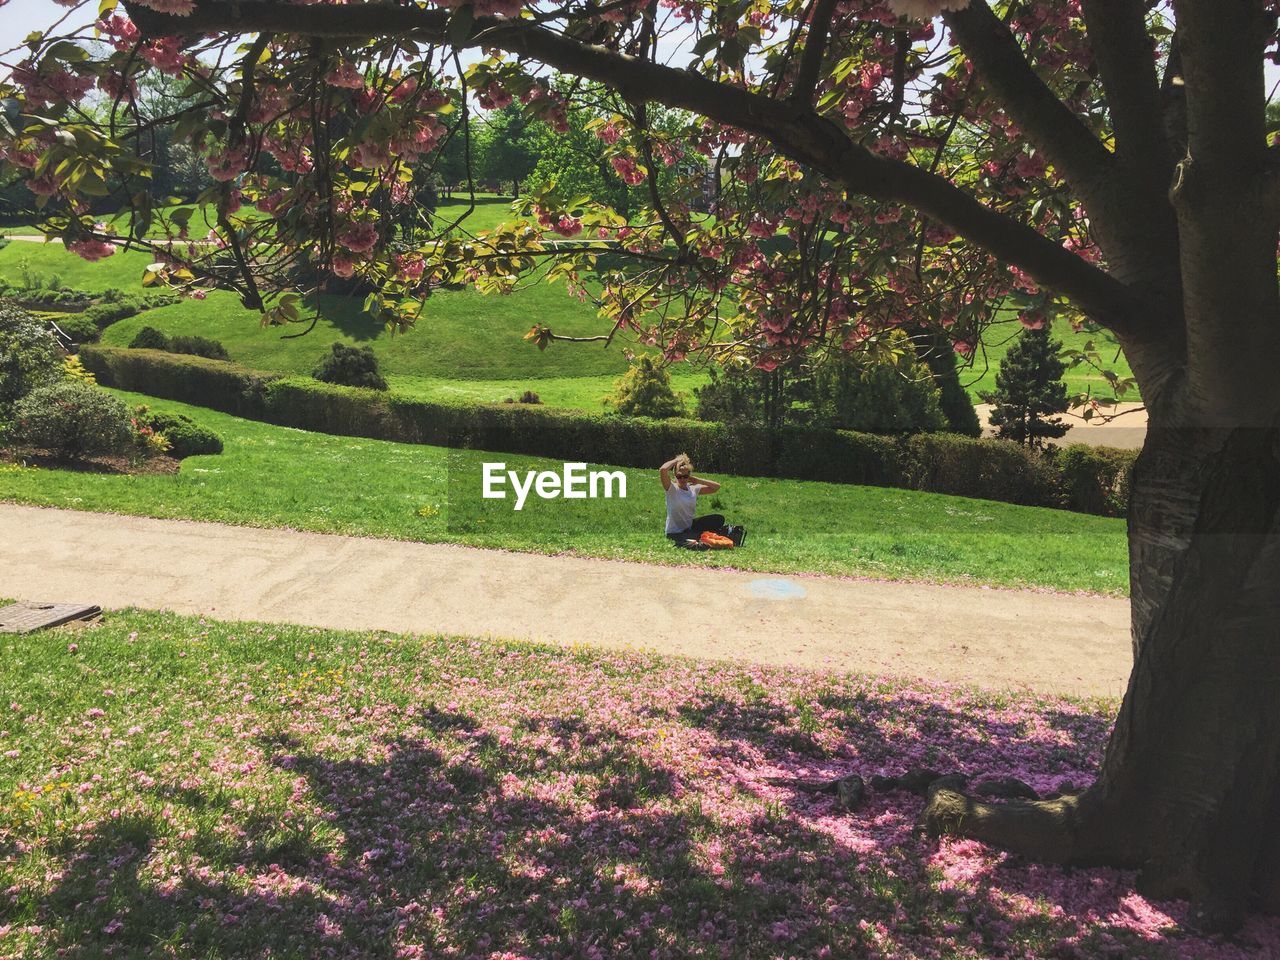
(1190, 784)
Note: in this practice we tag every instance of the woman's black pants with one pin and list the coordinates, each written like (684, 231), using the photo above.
(712, 521)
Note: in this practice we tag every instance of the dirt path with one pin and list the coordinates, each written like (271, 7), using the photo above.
(1128, 429)
(998, 638)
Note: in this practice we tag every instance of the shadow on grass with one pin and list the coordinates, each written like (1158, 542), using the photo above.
(552, 837)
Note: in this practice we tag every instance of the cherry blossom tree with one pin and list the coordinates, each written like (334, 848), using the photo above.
(867, 166)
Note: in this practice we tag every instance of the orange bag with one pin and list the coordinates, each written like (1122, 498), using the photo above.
(716, 542)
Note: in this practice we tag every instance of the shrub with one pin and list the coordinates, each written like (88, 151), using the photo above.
(530, 397)
(208, 383)
(72, 419)
(104, 315)
(186, 437)
(60, 299)
(79, 327)
(199, 347)
(985, 469)
(934, 349)
(149, 338)
(645, 391)
(29, 356)
(731, 396)
(839, 456)
(73, 369)
(350, 367)
(941, 463)
(878, 395)
(1094, 479)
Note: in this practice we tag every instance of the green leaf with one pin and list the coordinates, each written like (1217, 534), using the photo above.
(706, 44)
(68, 51)
(460, 25)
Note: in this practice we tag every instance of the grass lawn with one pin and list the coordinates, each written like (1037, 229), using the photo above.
(581, 393)
(980, 375)
(462, 336)
(466, 345)
(277, 477)
(174, 786)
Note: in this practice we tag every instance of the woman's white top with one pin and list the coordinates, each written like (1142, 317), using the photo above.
(682, 503)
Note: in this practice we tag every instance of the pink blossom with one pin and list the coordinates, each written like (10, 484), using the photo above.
(225, 165)
(345, 76)
(91, 249)
(627, 168)
(343, 266)
(568, 226)
(359, 237)
(610, 132)
(493, 96)
(165, 54)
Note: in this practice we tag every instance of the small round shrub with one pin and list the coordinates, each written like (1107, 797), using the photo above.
(29, 356)
(149, 338)
(73, 368)
(104, 315)
(645, 391)
(199, 347)
(79, 327)
(530, 397)
(186, 437)
(73, 419)
(350, 367)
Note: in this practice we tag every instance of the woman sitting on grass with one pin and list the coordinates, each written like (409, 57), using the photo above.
(683, 489)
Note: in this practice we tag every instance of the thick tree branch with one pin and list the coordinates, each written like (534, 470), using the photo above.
(1221, 47)
(798, 133)
(1173, 99)
(1048, 122)
(1227, 225)
(1123, 51)
(815, 47)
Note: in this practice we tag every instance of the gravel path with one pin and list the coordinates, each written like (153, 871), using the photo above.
(1049, 642)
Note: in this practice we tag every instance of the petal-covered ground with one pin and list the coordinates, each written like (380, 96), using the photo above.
(180, 787)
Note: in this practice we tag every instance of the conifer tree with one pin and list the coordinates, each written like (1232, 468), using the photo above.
(645, 391)
(1029, 391)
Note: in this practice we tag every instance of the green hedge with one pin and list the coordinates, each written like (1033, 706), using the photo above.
(1092, 480)
(986, 469)
(223, 386)
(1095, 479)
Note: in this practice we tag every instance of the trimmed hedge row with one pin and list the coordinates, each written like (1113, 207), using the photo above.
(1078, 478)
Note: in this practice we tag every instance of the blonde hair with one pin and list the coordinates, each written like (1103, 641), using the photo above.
(683, 461)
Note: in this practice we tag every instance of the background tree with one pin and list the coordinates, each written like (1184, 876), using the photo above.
(1029, 391)
(575, 162)
(749, 395)
(886, 394)
(934, 349)
(506, 147)
(1106, 160)
(645, 391)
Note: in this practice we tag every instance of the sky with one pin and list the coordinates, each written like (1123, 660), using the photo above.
(19, 17)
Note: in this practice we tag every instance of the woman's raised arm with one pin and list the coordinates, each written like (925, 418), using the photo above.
(664, 472)
(708, 486)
